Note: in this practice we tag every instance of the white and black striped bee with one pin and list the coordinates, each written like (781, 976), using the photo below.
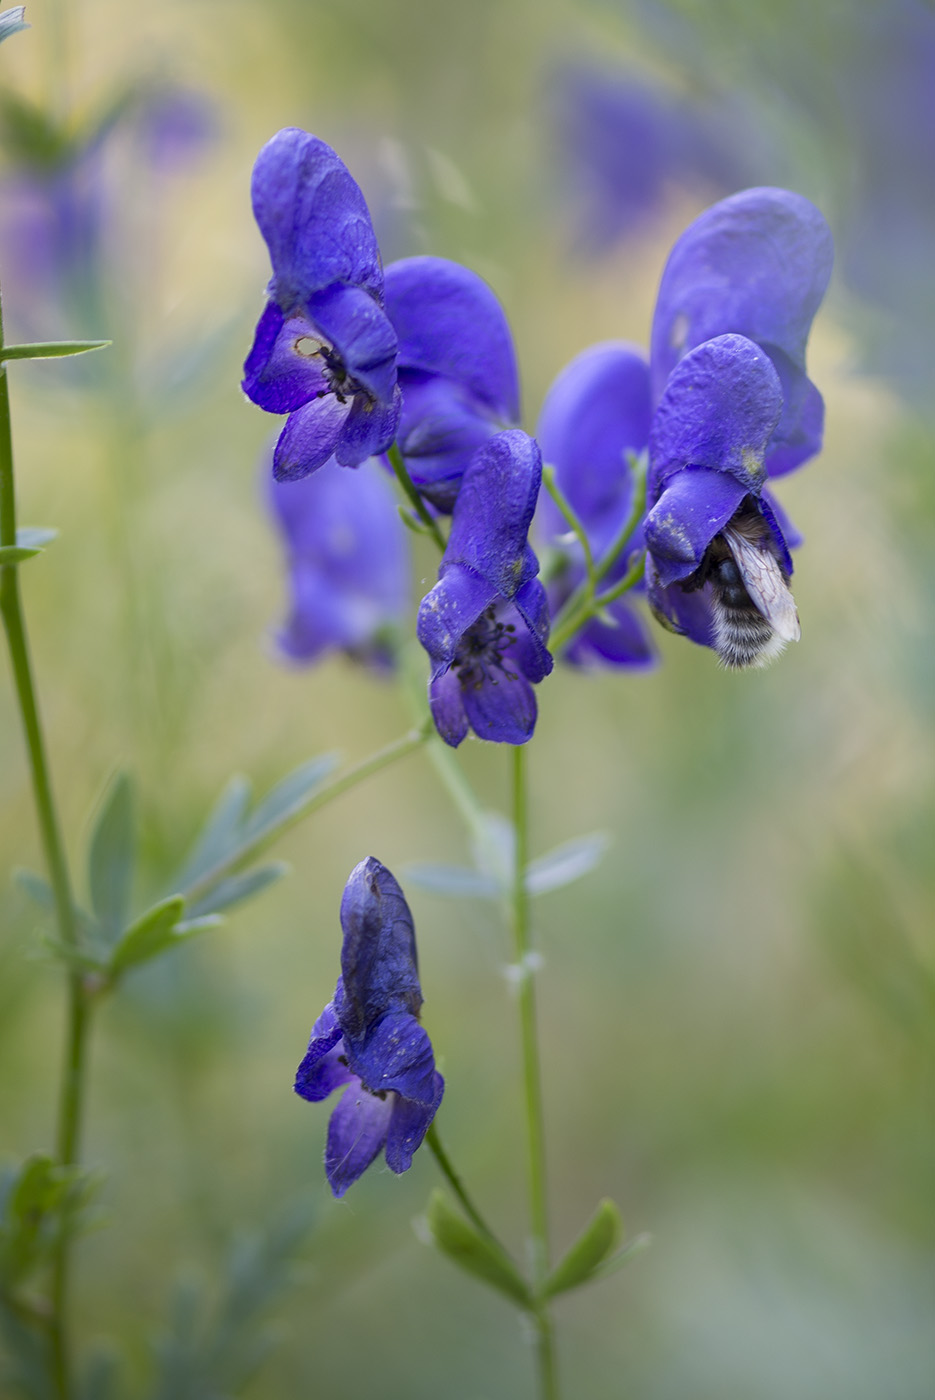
(753, 611)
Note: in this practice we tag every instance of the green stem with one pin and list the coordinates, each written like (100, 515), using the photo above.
(374, 764)
(415, 500)
(538, 1208)
(456, 1184)
(71, 1095)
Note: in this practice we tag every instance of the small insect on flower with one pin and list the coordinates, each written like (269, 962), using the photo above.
(753, 611)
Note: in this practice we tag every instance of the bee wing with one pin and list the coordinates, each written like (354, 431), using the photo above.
(764, 582)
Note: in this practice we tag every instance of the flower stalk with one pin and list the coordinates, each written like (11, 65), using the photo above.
(532, 1088)
(72, 1091)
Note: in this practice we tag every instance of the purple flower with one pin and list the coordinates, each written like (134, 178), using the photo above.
(457, 370)
(486, 622)
(735, 408)
(324, 351)
(369, 1038)
(597, 411)
(624, 141)
(348, 563)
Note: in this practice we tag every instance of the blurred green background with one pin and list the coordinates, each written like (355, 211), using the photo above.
(737, 1007)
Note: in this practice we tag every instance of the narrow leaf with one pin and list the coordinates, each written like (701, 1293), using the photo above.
(15, 554)
(221, 834)
(458, 881)
(566, 863)
(473, 1252)
(112, 856)
(238, 888)
(149, 936)
(35, 536)
(12, 21)
(288, 797)
(638, 1245)
(50, 349)
(590, 1249)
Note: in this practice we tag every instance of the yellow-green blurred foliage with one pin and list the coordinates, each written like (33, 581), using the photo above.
(736, 1007)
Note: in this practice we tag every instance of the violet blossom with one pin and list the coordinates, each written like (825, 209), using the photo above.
(457, 370)
(348, 564)
(485, 624)
(324, 350)
(368, 1038)
(596, 412)
(734, 409)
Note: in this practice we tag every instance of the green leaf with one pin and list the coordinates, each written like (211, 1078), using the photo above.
(51, 349)
(37, 888)
(151, 934)
(29, 542)
(38, 1201)
(12, 21)
(289, 796)
(457, 881)
(566, 863)
(238, 888)
(221, 833)
(473, 1252)
(638, 1245)
(597, 1239)
(112, 857)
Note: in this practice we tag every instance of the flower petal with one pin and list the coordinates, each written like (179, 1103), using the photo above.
(494, 510)
(409, 1123)
(501, 705)
(321, 1070)
(369, 429)
(694, 507)
(396, 1055)
(441, 428)
(597, 409)
(356, 1133)
(314, 219)
(449, 322)
(361, 333)
(378, 957)
(688, 614)
(719, 408)
(755, 264)
(283, 370)
(626, 644)
(309, 438)
(447, 707)
(446, 613)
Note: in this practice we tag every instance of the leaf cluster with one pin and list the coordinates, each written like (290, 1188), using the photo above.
(110, 938)
(595, 1254)
(40, 1203)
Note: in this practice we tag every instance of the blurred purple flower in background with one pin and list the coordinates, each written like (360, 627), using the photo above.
(596, 412)
(734, 408)
(457, 370)
(324, 351)
(485, 624)
(624, 141)
(369, 1037)
(64, 193)
(348, 561)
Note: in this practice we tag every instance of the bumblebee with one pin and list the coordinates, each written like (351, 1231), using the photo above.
(753, 611)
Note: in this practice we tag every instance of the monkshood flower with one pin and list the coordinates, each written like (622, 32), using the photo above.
(596, 412)
(735, 408)
(369, 1038)
(457, 370)
(324, 350)
(485, 624)
(348, 561)
(623, 142)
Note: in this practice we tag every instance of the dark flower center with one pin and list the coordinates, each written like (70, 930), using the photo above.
(482, 650)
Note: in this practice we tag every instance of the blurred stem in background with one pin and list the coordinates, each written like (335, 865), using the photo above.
(71, 1095)
(532, 1089)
